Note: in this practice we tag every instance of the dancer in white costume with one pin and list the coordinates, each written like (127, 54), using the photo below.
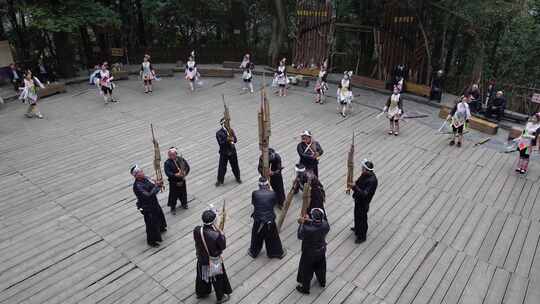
(344, 94)
(147, 74)
(321, 86)
(394, 110)
(460, 116)
(105, 83)
(247, 74)
(191, 71)
(528, 140)
(29, 94)
(280, 77)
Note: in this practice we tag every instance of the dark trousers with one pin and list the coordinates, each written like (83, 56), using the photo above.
(276, 181)
(16, 85)
(265, 233)
(220, 282)
(360, 220)
(222, 169)
(495, 111)
(475, 105)
(309, 265)
(155, 223)
(313, 168)
(177, 193)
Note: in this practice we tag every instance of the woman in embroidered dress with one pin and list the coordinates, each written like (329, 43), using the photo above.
(29, 94)
(394, 110)
(527, 142)
(147, 73)
(191, 71)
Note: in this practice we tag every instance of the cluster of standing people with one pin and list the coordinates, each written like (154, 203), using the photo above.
(210, 241)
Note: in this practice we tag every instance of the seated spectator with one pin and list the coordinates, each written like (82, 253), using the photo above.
(476, 99)
(15, 76)
(496, 106)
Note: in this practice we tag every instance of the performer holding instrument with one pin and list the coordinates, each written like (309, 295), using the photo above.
(176, 168)
(226, 139)
(264, 225)
(313, 259)
(210, 243)
(276, 179)
(148, 204)
(309, 151)
(363, 191)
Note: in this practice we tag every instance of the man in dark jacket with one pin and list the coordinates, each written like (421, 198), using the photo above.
(496, 106)
(176, 168)
(318, 196)
(363, 191)
(313, 233)
(148, 205)
(309, 151)
(476, 98)
(276, 180)
(227, 153)
(264, 224)
(15, 76)
(209, 245)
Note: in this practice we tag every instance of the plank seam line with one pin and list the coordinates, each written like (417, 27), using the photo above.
(426, 256)
(43, 269)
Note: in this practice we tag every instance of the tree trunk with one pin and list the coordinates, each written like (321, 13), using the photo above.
(140, 24)
(86, 46)
(452, 46)
(64, 53)
(279, 31)
(478, 65)
(428, 51)
(21, 49)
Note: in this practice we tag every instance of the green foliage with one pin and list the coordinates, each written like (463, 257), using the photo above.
(518, 56)
(69, 15)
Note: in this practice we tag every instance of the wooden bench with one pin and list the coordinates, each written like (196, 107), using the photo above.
(417, 89)
(476, 123)
(305, 72)
(223, 73)
(231, 64)
(367, 82)
(165, 73)
(300, 81)
(120, 75)
(51, 89)
(518, 117)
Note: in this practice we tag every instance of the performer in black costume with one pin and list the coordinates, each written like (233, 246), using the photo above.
(309, 151)
(364, 188)
(264, 226)
(227, 153)
(148, 205)
(318, 196)
(176, 168)
(209, 245)
(313, 259)
(276, 179)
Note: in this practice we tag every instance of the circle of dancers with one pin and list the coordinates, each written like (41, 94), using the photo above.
(209, 236)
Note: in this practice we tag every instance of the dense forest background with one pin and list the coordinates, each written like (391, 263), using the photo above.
(471, 40)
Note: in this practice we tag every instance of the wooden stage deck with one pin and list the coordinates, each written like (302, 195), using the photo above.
(447, 225)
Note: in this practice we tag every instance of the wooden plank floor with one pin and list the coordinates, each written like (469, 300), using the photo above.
(447, 225)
